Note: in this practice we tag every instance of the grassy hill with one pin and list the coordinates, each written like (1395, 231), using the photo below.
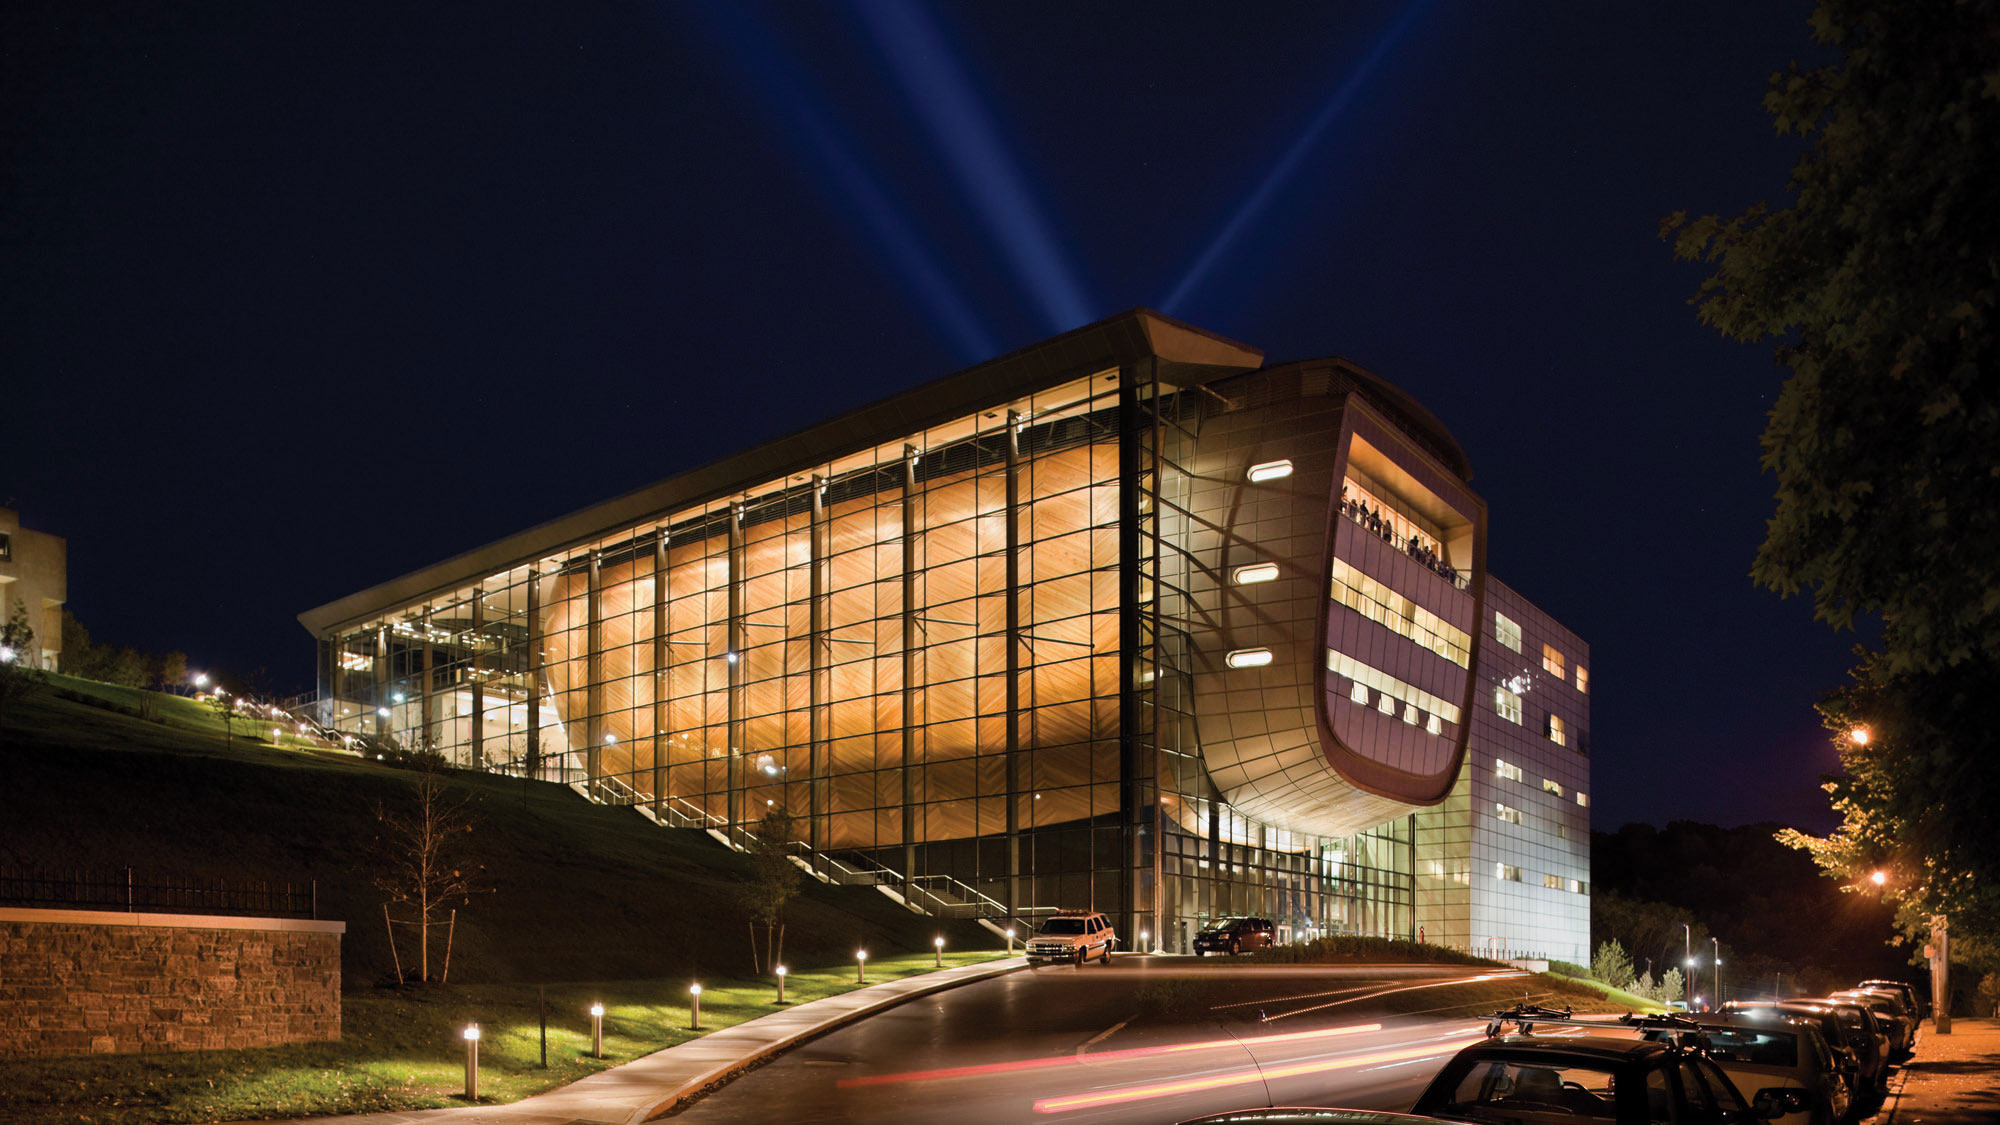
(580, 891)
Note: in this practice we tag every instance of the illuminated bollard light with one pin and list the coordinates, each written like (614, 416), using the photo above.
(781, 984)
(694, 993)
(1010, 941)
(860, 966)
(937, 945)
(472, 1063)
(1144, 937)
(597, 1030)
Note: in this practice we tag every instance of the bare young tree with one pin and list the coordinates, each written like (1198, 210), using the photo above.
(425, 860)
(774, 880)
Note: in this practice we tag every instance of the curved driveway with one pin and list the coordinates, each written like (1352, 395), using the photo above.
(1092, 1045)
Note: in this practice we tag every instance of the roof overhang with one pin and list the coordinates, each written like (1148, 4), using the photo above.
(1185, 356)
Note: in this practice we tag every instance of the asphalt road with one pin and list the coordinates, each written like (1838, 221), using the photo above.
(1145, 1039)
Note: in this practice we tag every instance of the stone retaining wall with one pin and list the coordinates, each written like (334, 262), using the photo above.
(78, 982)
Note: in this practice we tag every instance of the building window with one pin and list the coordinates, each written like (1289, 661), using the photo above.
(1433, 726)
(1510, 815)
(1508, 704)
(1507, 631)
(1503, 768)
(1583, 679)
(1254, 573)
(1248, 658)
(1579, 887)
(1582, 799)
(1555, 730)
(1393, 690)
(1359, 693)
(1391, 610)
(1550, 785)
(6, 547)
(1552, 662)
(1270, 470)
(1553, 882)
(1507, 871)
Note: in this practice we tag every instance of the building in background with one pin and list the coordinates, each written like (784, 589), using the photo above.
(1124, 620)
(34, 576)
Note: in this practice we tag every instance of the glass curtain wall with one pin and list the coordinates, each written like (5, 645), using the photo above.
(915, 651)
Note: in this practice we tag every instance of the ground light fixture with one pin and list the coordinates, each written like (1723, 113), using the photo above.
(1144, 937)
(472, 1062)
(781, 984)
(860, 966)
(694, 1007)
(1010, 941)
(937, 946)
(597, 1031)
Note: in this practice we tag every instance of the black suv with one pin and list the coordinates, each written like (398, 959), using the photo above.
(1235, 935)
(1566, 1079)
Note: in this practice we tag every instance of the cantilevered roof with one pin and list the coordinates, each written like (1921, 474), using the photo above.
(1186, 355)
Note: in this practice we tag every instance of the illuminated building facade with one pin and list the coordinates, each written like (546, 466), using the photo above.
(1124, 620)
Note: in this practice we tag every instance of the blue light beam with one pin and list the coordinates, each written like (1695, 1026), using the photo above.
(959, 125)
(787, 96)
(1293, 156)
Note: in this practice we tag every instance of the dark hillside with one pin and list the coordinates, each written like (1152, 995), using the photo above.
(1781, 922)
(581, 891)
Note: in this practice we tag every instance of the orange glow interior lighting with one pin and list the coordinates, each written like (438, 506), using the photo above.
(1248, 658)
(1241, 1077)
(1254, 573)
(1270, 470)
(1096, 1057)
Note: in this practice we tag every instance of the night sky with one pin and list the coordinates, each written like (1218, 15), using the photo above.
(298, 298)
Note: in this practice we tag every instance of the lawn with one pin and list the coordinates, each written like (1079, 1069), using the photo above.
(403, 1049)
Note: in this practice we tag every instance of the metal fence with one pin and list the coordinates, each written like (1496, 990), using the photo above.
(135, 889)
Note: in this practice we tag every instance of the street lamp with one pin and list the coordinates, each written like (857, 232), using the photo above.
(1687, 952)
(1718, 970)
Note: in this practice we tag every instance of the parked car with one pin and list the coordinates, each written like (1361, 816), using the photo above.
(1524, 1078)
(1908, 990)
(1857, 1052)
(1759, 1052)
(1074, 936)
(1235, 935)
(1888, 1008)
(1862, 1025)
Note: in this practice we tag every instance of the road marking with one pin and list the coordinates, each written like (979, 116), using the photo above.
(1103, 1035)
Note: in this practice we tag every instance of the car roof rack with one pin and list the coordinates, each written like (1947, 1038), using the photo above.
(1524, 1017)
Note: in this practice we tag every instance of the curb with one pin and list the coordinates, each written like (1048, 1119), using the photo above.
(722, 1074)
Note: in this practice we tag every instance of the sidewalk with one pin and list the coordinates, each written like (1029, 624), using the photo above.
(647, 1087)
(1954, 1080)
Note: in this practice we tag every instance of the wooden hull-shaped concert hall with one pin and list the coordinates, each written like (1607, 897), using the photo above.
(1126, 620)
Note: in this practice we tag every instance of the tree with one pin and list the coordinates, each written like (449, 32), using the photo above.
(424, 857)
(1612, 964)
(225, 706)
(1672, 987)
(773, 882)
(1881, 277)
(172, 670)
(18, 667)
